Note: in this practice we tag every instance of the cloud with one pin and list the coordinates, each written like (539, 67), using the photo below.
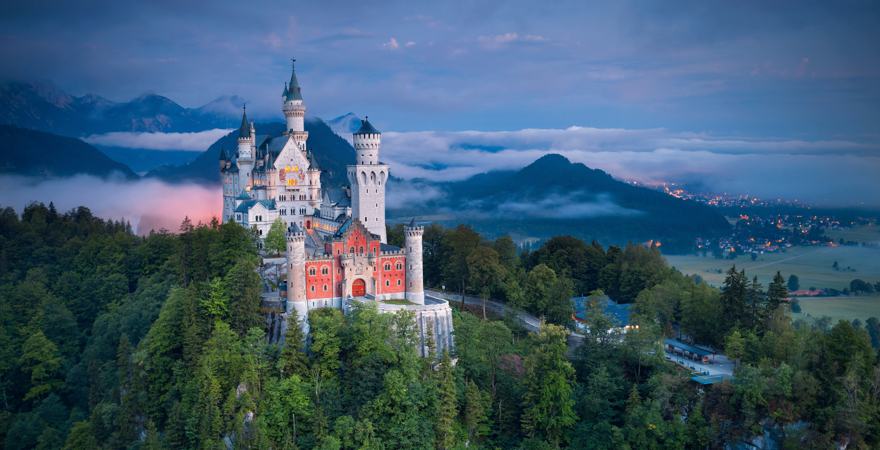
(501, 40)
(196, 141)
(828, 172)
(403, 193)
(146, 204)
(575, 207)
(391, 44)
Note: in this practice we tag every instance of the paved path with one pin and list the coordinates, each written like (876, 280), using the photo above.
(528, 321)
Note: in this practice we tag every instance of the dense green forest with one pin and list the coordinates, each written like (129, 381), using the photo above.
(111, 340)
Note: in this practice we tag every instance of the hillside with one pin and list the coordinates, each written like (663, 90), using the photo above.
(554, 196)
(35, 153)
(333, 154)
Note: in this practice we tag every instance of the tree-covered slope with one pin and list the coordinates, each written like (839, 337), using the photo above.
(36, 153)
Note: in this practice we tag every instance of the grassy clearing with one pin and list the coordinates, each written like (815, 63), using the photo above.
(839, 308)
(398, 301)
(813, 265)
(865, 233)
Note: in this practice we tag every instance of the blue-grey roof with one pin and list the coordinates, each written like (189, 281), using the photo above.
(243, 196)
(687, 347)
(244, 130)
(246, 205)
(293, 90)
(344, 227)
(338, 197)
(388, 248)
(367, 128)
(616, 311)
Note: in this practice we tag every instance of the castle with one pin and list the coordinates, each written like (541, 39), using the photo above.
(337, 250)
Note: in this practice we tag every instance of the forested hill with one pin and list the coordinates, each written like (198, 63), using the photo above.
(332, 152)
(110, 341)
(553, 196)
(35, 153)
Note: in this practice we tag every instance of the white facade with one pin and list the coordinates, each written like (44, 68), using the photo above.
(368, 178)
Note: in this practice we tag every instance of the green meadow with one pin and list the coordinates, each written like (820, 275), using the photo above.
(839, 308)
(812, 265)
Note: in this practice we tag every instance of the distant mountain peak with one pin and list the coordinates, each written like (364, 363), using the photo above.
(223, 106)
(345, 125)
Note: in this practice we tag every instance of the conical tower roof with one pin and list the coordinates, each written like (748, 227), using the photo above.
(244, 131)
(293, 91)
(367, 127)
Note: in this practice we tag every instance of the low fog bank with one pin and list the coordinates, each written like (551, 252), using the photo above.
(831, 173)
(147, 204)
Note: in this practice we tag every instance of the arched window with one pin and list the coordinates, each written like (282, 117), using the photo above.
(312, 271)
(361, 250)
(387, 283)
(398, 282)
(324, 271)
(313, 288)
(387, 266)
(351, 250)
(399, 266)
(325, 288)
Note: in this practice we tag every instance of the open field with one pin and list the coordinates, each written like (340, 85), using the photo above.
(837, 308)
(812, 265)
(865, 233)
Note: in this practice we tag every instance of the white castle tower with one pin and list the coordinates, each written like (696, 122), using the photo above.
(294, 109)
(415, 291)
(246, 150)
(367, 179)
(296, 275)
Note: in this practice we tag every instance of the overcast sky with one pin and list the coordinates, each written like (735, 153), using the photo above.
(734, 71)
(798, 69)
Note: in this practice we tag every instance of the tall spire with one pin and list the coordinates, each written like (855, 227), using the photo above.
(293, 90)
(244, 131)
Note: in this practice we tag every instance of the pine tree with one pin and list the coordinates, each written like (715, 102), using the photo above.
(447, 404)
(548, 402)
(293, 359)
(476, 416)
(733, 299)
(40, 358)
(776, 293)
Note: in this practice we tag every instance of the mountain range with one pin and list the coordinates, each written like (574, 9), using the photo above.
(42, 106)
(549, 197)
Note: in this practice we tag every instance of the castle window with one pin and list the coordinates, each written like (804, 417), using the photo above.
(387, 266)
(324, 271)
(325, 288)
(313, 288)
(387, 283)
(398, 266)
(398, 282)
(351, 250)
(361, 251)
(312, 271)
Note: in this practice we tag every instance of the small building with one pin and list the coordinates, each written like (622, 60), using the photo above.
(618, 312)
(692, 352)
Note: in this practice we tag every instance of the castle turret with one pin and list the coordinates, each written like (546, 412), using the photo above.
(296, 275)
(245, 150)
(367, 179)
(366, 141)
(415, 291)
(294, 109)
